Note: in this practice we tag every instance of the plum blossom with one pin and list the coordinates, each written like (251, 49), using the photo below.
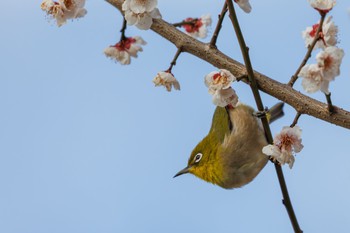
(328, 35)
(219, 84)
(166, 79)
(225, 97)
(217, 80)
(317, 76)
(141, 13)
(329, 60)
(244, 5)
(198, 28)
(126, 48)
(285, 144)
(140, 6)
(322, 5)
(313, 79)
(63, 10)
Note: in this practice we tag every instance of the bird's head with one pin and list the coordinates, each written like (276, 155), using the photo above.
(204, 161)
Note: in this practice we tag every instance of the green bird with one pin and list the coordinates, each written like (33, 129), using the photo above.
(231, 154)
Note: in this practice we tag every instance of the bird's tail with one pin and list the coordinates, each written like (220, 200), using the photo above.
(275, 112)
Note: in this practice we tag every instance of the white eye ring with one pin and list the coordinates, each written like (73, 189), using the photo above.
(198, 157)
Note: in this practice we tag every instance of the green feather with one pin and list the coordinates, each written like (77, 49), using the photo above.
(221, 124)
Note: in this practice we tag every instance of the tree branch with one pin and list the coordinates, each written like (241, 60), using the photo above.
(286, 199)
(300, 102)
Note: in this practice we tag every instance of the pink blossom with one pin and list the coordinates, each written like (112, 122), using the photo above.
(328, 35)
(198, 28)
(285, 144)
(329, 60)
(317, 76)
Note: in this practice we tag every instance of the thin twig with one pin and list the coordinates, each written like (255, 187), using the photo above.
(329, 102)
(218, 26)
(296, 118)
(243, 77)
(309, 51)
(286, 200)
(123, 37)
(191, 22)
(173, 62)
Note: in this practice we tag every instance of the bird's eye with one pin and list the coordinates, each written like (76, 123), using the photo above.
(198, 157)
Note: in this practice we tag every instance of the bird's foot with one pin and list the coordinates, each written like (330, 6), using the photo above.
(261, 114)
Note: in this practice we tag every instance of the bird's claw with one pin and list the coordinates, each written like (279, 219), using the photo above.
(261, 114)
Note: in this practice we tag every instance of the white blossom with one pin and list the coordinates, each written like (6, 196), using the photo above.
(329, 60)
(225, 97)
(285, 144)
(63, 10)
(313, 79)
(166, 79)
(218, 80)
(322, 5)
(121, 56)
(219, 85)
(330, 32)
(328, 36)
(282, 156)
(317, 76)
(141, 13)
(139, 6)
(244, 5)
(127, 47)
(198, 27)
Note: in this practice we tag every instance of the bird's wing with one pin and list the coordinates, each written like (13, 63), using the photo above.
(221, 124)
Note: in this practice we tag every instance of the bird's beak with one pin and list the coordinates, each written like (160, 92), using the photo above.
(183, 171)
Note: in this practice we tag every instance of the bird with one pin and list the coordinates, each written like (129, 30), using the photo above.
(230, 155)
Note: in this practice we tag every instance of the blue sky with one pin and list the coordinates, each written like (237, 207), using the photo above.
(87, 145)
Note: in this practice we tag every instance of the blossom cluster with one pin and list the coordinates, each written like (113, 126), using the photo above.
(285, 144)
(125, 49)
(219, 85)
(318, 76)
(328, 36)
(141, 13)
(63, 10)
